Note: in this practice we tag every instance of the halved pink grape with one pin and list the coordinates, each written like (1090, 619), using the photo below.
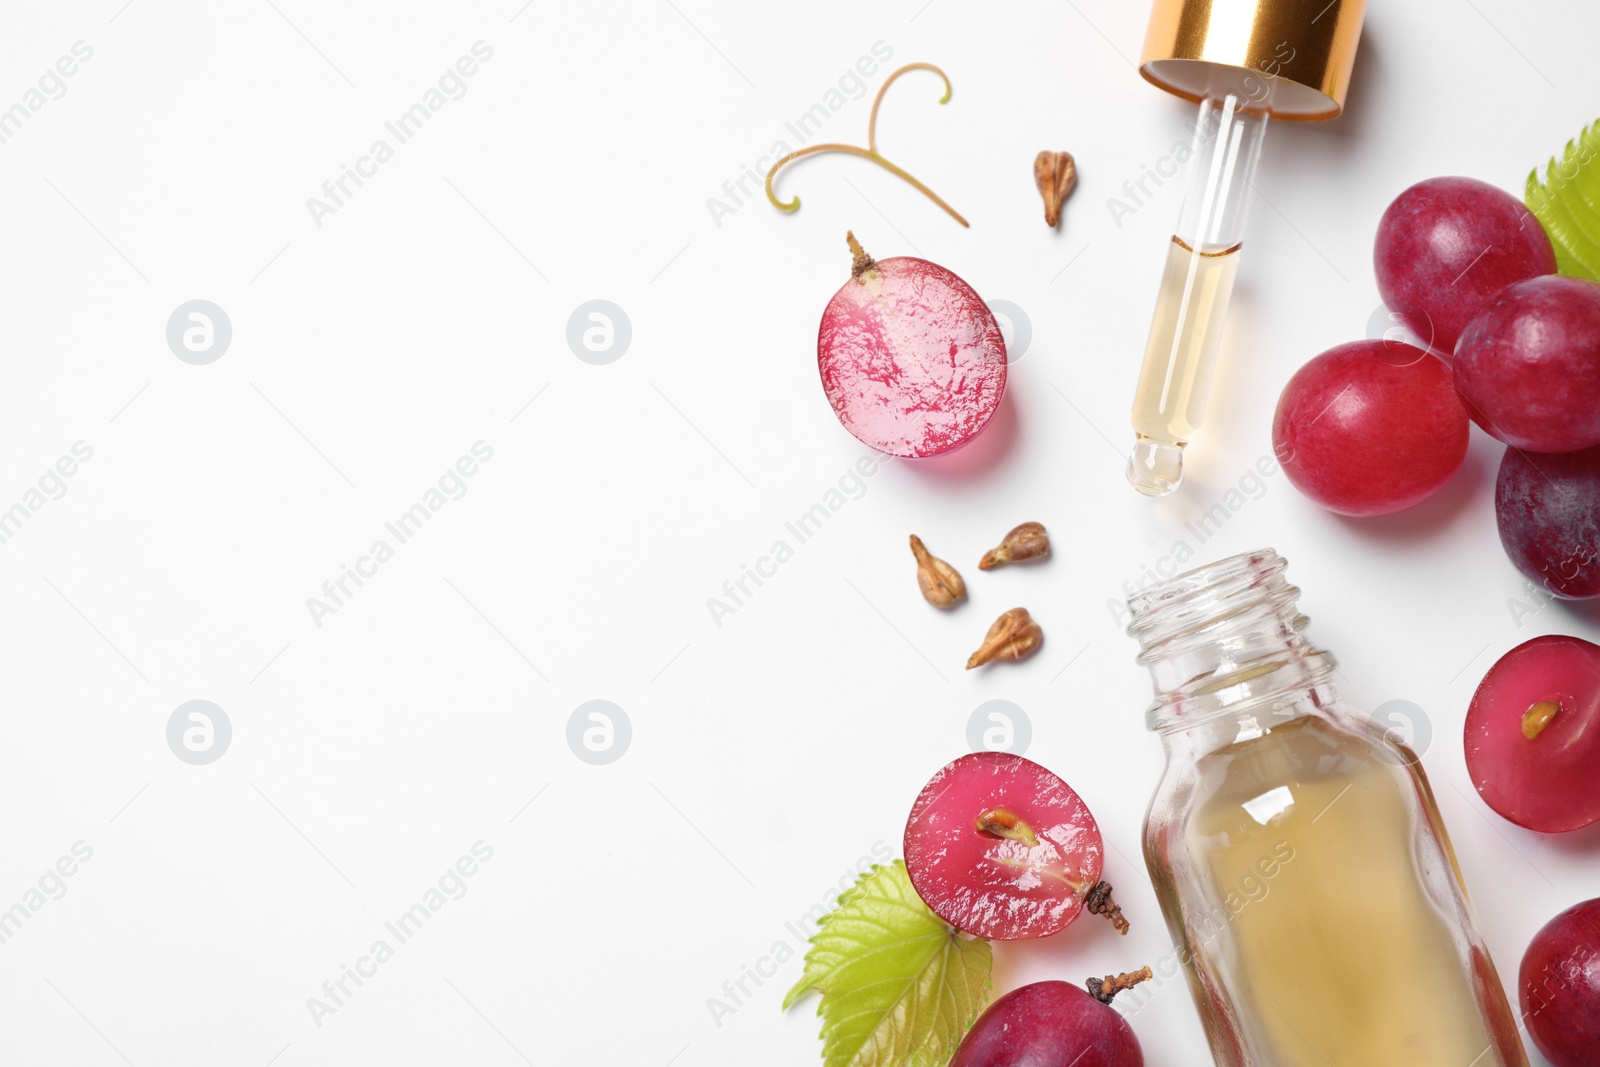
(912, 360)
(1533, 734)
(1002, 848)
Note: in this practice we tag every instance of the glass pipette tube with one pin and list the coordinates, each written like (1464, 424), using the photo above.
(1196, 284)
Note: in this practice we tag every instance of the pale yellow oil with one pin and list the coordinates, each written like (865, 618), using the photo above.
(1185, 335)
(1342, 958)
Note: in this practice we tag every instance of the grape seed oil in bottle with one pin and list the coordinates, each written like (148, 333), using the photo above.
(1341, 933)
(1296, 849)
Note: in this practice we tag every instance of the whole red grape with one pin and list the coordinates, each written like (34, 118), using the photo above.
(1533, 734)
(1000, 847)
(1548, 511)
(912, 360)
(1049, 1024)
(1447, 244)
(1370, 427)
(1559, 987)
(1528, 365)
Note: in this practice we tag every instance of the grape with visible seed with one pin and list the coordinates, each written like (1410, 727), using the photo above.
(1533, 734)
(1002, 848)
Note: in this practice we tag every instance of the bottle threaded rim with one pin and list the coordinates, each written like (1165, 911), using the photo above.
(1222, 637)
(1169, 616)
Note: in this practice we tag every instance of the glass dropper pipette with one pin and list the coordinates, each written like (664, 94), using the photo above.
(1192, 303)
(1243, 62)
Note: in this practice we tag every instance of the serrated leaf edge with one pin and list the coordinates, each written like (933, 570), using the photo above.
(957, 949)
(1568, 207)
(848, 897)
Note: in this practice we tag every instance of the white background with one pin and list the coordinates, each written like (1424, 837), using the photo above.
(768, 753)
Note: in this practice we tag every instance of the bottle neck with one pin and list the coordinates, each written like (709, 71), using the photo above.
(1227, 652)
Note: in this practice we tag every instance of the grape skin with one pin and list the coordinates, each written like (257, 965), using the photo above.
(1446, 245)
(1548, 510)
(1370, 428)
(1559, 984)
(1049, 1024)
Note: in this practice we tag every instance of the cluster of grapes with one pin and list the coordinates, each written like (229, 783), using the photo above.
(1372, 427)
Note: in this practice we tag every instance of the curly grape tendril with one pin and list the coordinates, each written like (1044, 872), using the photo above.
(871, 151)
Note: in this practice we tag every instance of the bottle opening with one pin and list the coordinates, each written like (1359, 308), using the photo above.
(1224, 634)
(1207, 595)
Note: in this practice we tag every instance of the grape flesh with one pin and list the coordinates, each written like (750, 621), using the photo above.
(1370, 427)
(1548, 511)
(1446, 245)
(1049, 1024)
(1002, 888)
(912, 360)
(1559, 986)
(1548, 688)
(1528, 365)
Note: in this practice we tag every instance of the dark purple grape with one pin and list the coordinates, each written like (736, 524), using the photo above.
(1560, 987)
(1548, 510)
(1049, 1024)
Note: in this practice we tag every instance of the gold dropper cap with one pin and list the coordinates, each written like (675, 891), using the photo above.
(1289, 58)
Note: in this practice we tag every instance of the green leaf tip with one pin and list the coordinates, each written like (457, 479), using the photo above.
(1567, 203)
(899, 985)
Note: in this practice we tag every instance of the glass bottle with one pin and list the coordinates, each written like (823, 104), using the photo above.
(1296, 849)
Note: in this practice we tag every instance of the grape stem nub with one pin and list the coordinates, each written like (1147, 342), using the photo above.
(1099, 902)
(1105, 989)
(859, 265)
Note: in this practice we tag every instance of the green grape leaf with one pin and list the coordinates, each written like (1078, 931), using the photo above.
(899, 985)
(1567, 202)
